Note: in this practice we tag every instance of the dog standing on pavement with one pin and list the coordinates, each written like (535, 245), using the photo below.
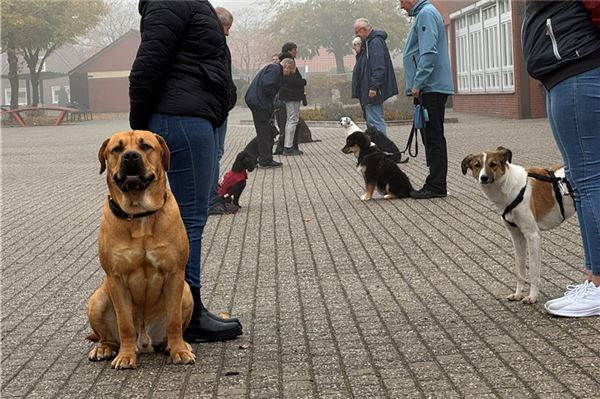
(531, 200)
(144, 301)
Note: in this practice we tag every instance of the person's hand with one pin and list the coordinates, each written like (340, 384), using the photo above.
(415, 92)
(372, 93)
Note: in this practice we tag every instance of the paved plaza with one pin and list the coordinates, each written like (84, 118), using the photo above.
(339, 298)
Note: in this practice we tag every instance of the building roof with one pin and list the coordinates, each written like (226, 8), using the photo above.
(99, 54)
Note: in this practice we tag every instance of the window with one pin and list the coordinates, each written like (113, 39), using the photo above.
(56, 95)
(22, 96)
(484, 48)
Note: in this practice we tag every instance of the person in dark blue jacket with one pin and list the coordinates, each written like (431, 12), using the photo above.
(561, 46)
(260, 98)
(178, 88)
(374, 74)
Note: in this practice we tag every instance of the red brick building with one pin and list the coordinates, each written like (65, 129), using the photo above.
(490, 77)
(101, 83)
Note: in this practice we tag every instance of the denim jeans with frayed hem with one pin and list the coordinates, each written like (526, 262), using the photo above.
(573, 107)
(375, 118)
(193, 145)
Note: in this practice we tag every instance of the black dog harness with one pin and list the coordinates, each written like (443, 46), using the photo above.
(559, 191)
(121, 214)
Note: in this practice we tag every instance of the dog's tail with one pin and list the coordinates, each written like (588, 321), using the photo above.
(93, 337)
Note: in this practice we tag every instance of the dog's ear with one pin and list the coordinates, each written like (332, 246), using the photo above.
(166, 154)
(505, 154)
(466, 163)
(101, 156)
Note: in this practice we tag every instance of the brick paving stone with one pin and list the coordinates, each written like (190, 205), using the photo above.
(339, 298)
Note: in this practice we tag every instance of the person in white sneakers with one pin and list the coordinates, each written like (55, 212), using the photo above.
(569, 69)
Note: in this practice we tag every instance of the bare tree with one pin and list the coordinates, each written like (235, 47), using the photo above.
(248, 41)
(121, 17)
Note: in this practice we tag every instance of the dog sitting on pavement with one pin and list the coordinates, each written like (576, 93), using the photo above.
(144, 302)
(378, 170)
(378, 139)
(233, 183)
(531, 200)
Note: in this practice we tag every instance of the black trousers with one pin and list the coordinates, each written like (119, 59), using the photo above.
(434, 141)
(262, 124)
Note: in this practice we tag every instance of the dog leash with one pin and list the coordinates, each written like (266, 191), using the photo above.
(419, 121)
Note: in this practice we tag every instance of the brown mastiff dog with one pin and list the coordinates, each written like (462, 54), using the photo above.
(144, 301)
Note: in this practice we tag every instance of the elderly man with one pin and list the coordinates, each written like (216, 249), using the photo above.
(428, 79)
(260, 97)
(375, 79)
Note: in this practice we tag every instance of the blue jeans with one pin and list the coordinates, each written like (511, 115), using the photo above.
(375, 118)
(573, 107)
(220, 131)
(192, 142)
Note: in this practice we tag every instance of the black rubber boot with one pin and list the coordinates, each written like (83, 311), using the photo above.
(206, 326)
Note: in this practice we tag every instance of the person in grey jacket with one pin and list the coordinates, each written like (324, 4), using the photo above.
(428, 79)
(373, 78)
(561, 46)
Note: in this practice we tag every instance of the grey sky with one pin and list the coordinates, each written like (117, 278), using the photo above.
(232, 5)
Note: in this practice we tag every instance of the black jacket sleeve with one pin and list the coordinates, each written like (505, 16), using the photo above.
(162, 31)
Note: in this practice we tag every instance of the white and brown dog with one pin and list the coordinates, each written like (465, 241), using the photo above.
(531, 199)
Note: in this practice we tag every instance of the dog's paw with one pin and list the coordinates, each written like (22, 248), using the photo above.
(529, 299)
(101, 352)
(515, 297)
(389, 196)
(183, 356)
(124, 361)
(365, 197)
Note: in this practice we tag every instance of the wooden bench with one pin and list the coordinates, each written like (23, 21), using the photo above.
(62, 112)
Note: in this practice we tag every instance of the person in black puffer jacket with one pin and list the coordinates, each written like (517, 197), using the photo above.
(561, 45)
(292, 95)
(178, 88)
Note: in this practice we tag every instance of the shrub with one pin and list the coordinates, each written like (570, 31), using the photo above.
(397, 108)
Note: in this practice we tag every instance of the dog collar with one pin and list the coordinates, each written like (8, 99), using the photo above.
(121, 214)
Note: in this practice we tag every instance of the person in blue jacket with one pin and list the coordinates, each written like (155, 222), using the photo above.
(373, 78)
(260, 98)
(428, 80)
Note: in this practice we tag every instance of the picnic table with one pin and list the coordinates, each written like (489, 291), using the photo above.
(62, 112)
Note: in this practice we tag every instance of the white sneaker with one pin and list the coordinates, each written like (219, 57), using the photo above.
(572, 289)
(580, 300)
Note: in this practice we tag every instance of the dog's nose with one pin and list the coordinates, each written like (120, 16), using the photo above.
(484, 178)
(131, 156)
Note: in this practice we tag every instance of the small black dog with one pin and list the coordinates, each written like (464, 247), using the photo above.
(377, 168)
(385, 144)
(232, 184)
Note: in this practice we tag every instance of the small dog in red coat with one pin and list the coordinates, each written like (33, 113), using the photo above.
(232, 184)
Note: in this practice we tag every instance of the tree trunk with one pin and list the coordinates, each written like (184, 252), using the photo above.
(339, 62)
(13, 77)
(32, 60)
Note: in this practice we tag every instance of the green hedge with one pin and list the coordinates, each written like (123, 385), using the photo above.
(397, 108)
